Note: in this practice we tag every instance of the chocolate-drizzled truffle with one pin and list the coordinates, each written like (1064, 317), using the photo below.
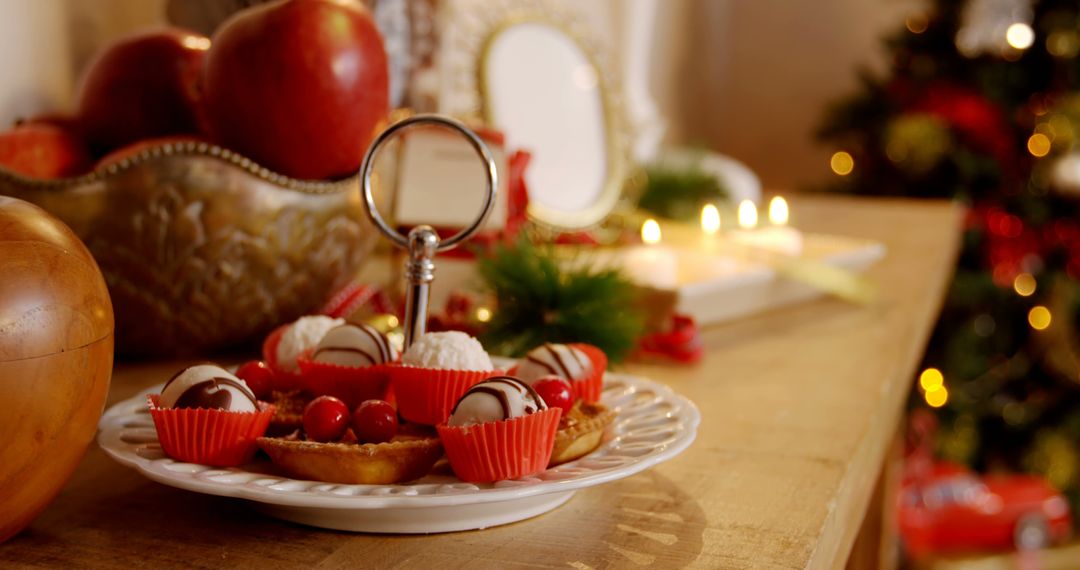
(554, 359)
(494, 399)
(207, 386)
(354, 345)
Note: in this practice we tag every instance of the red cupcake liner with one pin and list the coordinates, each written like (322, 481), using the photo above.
(284, 380)
(508, 449)
(350, 384)
(427, 395)
(210, 437)
(590, 387)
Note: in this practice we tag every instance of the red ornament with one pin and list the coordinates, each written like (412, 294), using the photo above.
(980, 123)
(374, 421)
(681, 342)
(299, 86)
(325, 419)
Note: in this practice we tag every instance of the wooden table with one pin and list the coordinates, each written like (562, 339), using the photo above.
(800, 407)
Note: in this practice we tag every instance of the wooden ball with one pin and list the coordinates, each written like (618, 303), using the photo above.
(56, 352)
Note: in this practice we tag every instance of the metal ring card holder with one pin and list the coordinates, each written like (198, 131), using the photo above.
(423, 242)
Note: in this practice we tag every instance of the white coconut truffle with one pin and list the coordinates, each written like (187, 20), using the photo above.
(495, 399)
(554, 359)
(302, 335)
(354, 346)
(451, 350)
(207, 386)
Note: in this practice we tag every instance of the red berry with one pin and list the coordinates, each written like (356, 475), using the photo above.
(374, 421)
(258, 376)
(556, 392)
(325, 419)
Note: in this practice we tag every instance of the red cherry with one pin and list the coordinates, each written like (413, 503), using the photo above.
(556, 392)
(374, 421)
(325, 419)
(258, 376)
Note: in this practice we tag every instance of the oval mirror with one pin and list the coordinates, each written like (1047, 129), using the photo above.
(546, 94)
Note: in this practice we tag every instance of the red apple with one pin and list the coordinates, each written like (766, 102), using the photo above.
(143, 86)
(299, 86)
(43, 150)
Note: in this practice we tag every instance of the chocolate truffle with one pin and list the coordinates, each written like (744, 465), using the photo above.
(355, 346)
(207, 386)
(450, 350)
(554, 359)
(494, 399)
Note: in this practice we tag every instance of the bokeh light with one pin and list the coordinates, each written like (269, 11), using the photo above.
(842, 163)
(1038, 145)
(1039, 317)
(778, 211)
(931, 379)
(1024, 284)
(916, 23)
(1020, 35)
(937, 397)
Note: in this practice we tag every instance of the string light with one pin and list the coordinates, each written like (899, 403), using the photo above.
(483, 314)
(1024, 285)
(1039, 317)
(842, 163)
(937, 397)
(1038, 145)
(1020, 35)
(931, 379)
(710, 219)
(747, 215)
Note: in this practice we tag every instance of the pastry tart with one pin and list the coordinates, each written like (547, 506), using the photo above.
(580, 431)
(401, 459)
(289, 414)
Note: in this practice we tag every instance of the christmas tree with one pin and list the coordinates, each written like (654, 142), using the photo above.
(981, 104)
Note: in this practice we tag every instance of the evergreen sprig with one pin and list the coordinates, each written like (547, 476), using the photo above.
(679, 192)
(539, 299)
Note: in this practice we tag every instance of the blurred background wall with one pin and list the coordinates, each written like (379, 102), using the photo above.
(749, 79)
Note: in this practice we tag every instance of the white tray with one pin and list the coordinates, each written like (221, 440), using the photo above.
(652, 424)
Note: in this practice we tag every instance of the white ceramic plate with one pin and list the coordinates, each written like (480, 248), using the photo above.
(652, 424)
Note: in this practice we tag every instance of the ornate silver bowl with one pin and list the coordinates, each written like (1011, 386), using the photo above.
(203, 249)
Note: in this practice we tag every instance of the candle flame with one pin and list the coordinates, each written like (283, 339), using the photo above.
(710, 219)
(747, 215)
(778, 211)
(650, 232)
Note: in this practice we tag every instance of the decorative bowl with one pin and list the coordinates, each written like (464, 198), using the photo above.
(203, 249)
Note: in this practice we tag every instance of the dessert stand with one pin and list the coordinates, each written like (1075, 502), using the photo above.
(652, 424)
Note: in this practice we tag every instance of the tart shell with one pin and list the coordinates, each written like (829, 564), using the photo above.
(395, 461)
(580, 432)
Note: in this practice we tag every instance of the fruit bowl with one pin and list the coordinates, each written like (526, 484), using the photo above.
(203, 249)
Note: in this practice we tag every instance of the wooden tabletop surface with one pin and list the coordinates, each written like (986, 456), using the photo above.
(799, 405)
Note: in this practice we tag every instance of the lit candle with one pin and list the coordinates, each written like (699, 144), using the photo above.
(777, 237)
(710, 224)
(651, 264)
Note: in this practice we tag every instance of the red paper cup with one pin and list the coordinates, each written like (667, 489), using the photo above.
(349, 384)
(427, 395)
(509, 449)
(210, 437)
(284, 380)
(590, 387)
